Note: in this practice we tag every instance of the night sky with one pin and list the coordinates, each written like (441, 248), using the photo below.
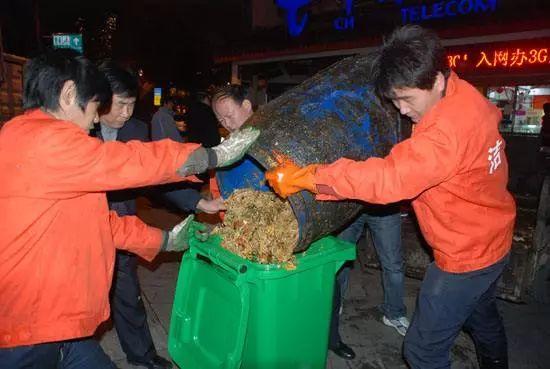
(171, 40)
(176, 40)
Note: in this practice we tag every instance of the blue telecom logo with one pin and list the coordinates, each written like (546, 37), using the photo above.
(296, 23)
(295, 26)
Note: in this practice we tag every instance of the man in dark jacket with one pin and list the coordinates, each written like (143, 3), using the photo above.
(127, 308)
(201, 123)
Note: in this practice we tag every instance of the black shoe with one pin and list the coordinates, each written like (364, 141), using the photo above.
(343, 350)
(488, 363)
(157, 362)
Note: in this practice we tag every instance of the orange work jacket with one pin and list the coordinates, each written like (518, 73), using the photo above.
(455, 170)
(57, 236)
(214, 190)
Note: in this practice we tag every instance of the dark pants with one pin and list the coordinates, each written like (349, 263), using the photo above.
(385, 227)
(128, 310)
(448, 302)
(75, 354)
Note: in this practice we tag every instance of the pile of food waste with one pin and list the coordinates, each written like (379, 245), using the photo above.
(259, 226)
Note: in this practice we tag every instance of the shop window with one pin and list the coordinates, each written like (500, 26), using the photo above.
(521, 107)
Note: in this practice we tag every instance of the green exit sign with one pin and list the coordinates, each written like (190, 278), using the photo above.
(68, 41)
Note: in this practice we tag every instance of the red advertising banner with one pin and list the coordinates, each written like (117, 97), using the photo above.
(516, 56)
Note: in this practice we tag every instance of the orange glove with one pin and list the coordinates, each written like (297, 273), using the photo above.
(288, 178)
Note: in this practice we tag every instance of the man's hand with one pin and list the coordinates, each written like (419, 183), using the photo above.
(178, 237)
(288, 178)
(235, 146)
(211, 206)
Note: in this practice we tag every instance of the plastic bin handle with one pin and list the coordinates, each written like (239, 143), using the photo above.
(227, 261)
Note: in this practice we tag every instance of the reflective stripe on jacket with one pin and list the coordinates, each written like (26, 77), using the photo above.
(57, 236)
(455, 169)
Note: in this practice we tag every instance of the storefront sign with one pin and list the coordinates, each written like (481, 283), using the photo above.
(347, 22)
(296, 24)
(513, 58)
(446, 9)
(509, 56)
(409, 14)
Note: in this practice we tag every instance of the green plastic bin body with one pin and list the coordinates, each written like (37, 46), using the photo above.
(233, 313)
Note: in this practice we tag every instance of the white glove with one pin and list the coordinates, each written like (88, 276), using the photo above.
(235, 146)
(226, 153)
(178, 237)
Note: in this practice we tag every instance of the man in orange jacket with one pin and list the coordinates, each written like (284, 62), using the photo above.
(455, 170)
(57, 235)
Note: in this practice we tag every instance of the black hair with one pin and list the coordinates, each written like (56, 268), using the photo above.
(236, 92)
(546, 108)
(410, 57)
(201, 95)
(168, 98)
(45, 75)
(123, 82)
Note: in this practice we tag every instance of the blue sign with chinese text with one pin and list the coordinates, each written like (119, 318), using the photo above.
(297, 24)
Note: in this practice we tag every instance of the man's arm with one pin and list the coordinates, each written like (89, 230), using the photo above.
(413, 166)
(185, 199)
(73, 163)
(164, 127)
(132, 234)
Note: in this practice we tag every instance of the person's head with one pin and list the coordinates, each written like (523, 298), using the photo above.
(203, 97)
(411, 70)
(546, 108)
(124, 86)
(181, 126)
(231, 107)
(169, 101)
(145, 87)
(65, 85)
(262, 82)
(180, 110)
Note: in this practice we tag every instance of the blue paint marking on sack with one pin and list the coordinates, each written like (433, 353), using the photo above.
(246, 173)
(319, 106)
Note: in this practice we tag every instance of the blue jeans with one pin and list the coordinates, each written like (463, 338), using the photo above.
(75, 354)
(385, 227)
(448, 302)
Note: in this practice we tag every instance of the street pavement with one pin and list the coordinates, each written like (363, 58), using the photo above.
(377, 346)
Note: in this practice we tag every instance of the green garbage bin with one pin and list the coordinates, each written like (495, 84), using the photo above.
(233, 313)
